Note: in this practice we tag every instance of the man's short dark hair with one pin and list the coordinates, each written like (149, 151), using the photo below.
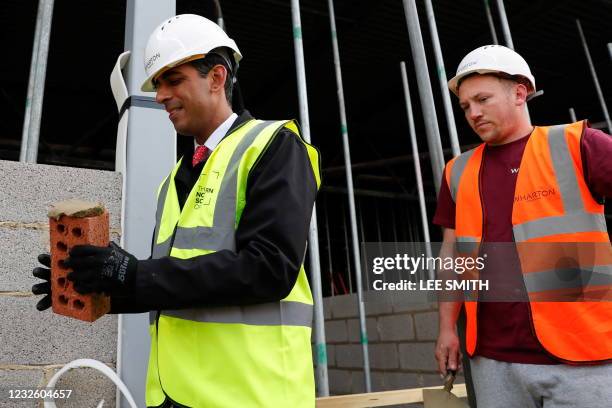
(204, 65)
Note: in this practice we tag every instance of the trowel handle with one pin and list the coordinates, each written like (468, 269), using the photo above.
(449, 380)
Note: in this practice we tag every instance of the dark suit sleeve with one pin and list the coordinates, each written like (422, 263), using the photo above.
(270, 243)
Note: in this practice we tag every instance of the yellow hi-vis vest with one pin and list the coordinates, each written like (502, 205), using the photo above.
(242, 356)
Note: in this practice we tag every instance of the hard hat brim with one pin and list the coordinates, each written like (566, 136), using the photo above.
(147, 85)
(454, 81)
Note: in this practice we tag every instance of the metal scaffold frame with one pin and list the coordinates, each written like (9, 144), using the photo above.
(600, 96)
(36, 84)
(351, 200)
(313, 235)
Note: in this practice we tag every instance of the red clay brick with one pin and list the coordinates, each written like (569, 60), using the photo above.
(66, 233)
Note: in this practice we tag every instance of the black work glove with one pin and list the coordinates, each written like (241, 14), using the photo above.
(107, 270)
(43, 288)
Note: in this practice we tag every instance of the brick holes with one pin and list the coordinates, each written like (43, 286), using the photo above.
(62, 264)
(78, 304)
(61, 228)
(62, 247)
(62, 282)
(77, 232)
(63, 299)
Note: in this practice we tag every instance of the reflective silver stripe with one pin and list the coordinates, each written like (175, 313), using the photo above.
(466, 244)
(210, 238)
(568, 278)
(266, 314)
(225, 207)
(563, 224)
(163, 249)
(467, 239)
(457, 171)
(564, 170)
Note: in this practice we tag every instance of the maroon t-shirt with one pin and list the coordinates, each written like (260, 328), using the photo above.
(504, 328)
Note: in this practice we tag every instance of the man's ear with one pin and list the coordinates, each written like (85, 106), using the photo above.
(520, 94)
(217, 74)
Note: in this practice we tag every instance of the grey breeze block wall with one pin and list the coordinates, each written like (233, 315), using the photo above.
(34, 345)
(401, 338)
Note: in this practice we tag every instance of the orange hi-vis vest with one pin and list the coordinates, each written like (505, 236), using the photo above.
(552, 205)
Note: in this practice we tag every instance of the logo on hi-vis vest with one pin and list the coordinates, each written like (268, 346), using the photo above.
(535, 195)
(201, 198)
(514, 171)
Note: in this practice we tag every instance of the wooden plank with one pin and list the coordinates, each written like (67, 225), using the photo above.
(383, 398)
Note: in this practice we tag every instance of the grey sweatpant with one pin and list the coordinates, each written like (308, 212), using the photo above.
(512, 385)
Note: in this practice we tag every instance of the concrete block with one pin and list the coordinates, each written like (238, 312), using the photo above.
(349, 356)
(405, 305)
(88, 387)
(32, 337)
(344, 306)
(378, 306)
(354, 333)
(378, 381)
(400, 381)
(384, 356)
(339, 382)
(336, 331)
(66, 233)
(40, 185)
(327, 314)
(396, 327)
(331, 355)
(426, 325)
(430, 380)
(19, 379)
(418, 356)
(22, 246)
(357, 382)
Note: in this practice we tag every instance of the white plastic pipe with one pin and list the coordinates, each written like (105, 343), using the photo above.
(96, 365)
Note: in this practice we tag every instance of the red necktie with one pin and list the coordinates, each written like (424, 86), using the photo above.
(200, 154)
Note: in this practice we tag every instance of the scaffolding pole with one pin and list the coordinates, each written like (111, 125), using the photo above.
(417, 166)
(36, 84)
(602, 101)
(313, 237)
(219, 12)
(572, 113)
(490, 21)
(425, 92)
(448, 107)
(508, 37)
(504, 23)
(351, 200)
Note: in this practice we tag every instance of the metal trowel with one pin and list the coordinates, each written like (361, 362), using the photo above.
(443, 398)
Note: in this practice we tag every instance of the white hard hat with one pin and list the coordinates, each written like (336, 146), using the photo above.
(491, 59)
(180, 39)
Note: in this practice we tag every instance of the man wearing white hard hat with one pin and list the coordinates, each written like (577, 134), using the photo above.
(527, 184)
(226, 288)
